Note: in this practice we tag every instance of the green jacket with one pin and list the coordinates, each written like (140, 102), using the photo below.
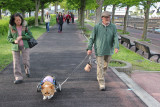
(13, 34)
(105, 39)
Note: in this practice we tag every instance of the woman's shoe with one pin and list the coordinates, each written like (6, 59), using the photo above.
(18, 81)
(28, 75)
(27, 71)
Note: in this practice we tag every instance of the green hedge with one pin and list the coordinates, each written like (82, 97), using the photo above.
(53, 19)
(4, 24)
(31, 20)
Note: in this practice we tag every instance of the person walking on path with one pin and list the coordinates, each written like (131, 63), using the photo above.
(105, 39)
(47, 20)
(18, 36)
(72, 17)
(68, 18)
(64, 17)
(60, 22)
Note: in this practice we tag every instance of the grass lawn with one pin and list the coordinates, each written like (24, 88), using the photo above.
(5, 47)
(138, 62)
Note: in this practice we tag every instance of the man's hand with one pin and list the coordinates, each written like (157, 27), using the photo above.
(89, 52)
(116, 50)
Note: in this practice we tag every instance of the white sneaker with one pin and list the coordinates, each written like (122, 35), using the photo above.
(102, 88)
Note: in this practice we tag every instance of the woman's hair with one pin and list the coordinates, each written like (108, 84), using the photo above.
(11, 22)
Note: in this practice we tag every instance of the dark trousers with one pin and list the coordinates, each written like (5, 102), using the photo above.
(60, 27)
(47, 26)
(72, 20)
(67, 21)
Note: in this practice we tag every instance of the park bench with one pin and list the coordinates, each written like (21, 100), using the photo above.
(145, 48)
(126, 40)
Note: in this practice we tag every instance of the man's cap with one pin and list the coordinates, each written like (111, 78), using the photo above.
(106, 13)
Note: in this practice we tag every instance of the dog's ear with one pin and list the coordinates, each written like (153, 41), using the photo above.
(42, 87)
(52, 87)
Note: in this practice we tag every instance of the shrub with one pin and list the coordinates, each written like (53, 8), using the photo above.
(53, 19)
(4, 25)
(31, 20)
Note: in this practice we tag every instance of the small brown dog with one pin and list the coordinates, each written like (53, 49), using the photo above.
(48, 87)
(48, 90)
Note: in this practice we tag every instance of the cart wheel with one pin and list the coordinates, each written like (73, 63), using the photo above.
(59, 88)
(39, 87)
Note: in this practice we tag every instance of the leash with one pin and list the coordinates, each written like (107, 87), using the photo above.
(73, 71)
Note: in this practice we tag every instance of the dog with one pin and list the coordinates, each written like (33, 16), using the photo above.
(48, 87)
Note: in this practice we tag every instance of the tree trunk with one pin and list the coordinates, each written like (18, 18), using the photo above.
(82, 13)
(56, 8)
(23, 13)
(87, 14)
(99, 11)
(0, 14)
(37, 2)
(145, 26)
(79, 15)
(125, 20)
(29, 13)
(113, 12)
(42, 12)
(105, 8)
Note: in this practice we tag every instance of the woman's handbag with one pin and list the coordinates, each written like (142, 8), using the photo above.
(32, 42)
(88, 67)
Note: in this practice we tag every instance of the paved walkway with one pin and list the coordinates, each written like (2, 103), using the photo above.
(58, 54)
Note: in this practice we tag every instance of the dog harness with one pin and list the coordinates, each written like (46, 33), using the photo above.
(49, 79)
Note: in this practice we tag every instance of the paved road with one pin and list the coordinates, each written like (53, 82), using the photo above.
(58, 54)
(155, 38)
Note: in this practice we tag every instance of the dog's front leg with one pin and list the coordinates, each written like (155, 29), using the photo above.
(44, 97)
(49, 97)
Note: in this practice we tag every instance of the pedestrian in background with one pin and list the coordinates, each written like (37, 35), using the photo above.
(105, 40)
(18, 36)
(47, 21)
(68, 18)
(60, 22)
(64, 17)
(72, 17)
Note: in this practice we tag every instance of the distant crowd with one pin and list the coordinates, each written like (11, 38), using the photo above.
(60, 19)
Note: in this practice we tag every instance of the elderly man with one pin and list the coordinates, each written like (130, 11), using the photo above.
(105, 40)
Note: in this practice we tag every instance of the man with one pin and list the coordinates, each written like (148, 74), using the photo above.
(47, 20)
(105, 39)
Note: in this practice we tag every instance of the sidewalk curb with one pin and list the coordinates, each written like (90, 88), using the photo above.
(141, 93)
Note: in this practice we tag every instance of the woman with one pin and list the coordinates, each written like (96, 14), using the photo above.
(47, 21)
(18, 36)
(60, 22)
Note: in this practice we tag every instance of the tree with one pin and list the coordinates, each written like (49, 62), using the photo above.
(2, 4)
(80, 5)
(37, 4)
(99, 10)
(127, 3)
(146, 4)
(43, 4)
